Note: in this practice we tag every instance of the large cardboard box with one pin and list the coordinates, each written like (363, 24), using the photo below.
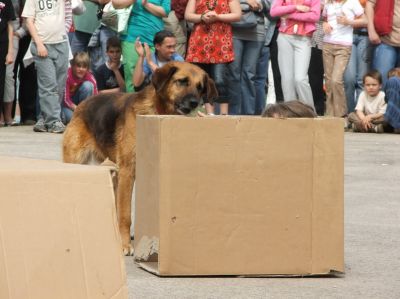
(58, 232)
(239, 196)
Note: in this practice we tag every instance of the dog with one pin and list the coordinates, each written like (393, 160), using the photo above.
(103, 126)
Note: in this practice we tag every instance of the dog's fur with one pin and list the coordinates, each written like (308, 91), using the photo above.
(104, 125)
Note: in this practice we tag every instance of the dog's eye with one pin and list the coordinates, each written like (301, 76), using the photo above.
(199, 88)
(183, 81)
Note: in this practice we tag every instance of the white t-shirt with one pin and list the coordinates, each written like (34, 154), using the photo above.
(371, 105)
(341, 34)
(49, 18)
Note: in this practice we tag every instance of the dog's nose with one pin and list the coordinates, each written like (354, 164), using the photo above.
(193, 103)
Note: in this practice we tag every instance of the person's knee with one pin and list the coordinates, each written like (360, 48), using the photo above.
(87, 87)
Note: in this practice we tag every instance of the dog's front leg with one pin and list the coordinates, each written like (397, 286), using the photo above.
(126, 180)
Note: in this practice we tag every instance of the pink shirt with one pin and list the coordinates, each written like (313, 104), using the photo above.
(296, 22)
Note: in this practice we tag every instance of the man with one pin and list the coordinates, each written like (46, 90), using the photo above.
(165, 44)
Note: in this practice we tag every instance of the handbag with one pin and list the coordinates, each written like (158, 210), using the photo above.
(116, 19)
(248, 18)
(383, 18)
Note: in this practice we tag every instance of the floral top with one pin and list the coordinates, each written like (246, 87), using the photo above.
(211, 43)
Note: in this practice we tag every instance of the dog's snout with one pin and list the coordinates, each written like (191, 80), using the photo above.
(193, 103)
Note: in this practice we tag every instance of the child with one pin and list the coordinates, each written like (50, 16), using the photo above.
(50, 54)
(80, 85)
(110, 75)
(371, 106)
(341, 16)
(6, 56)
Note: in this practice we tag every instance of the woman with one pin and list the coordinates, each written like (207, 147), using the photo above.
(298, 18)
(144, 22)
(210, 43)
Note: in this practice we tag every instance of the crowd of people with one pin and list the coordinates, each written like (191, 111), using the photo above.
(338, 57)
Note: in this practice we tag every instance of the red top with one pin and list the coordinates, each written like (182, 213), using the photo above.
(211, 43)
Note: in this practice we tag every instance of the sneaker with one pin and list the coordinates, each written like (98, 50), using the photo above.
(57, 127)
(378, 128)
(40, 126)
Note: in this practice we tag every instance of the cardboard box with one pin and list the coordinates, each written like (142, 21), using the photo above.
(239, 196)
(59, 236)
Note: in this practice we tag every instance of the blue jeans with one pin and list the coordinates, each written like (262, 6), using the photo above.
(241, 77)
(357, 67)
(385, 58)
(84, 91)
(80, 41)
(261, 80)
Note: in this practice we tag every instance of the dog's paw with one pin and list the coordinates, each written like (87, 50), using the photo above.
(127, 249)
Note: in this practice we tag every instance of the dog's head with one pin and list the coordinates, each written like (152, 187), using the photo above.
(181, 87)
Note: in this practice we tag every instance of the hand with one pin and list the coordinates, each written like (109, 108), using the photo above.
(139, 48)
(42, 51)
(254, 5)
(366, 123)
(144, 3)
(9, 58)
(342, 20)
(374, 37)
(302, 8)
(209, 17)
(147, 52)
(114, 66)
(326, 27)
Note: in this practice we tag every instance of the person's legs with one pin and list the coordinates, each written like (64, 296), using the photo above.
(234, 70)
(84, 91)
(261, 79)
(80, 41)
(286, 66)
(129, 57)
(273, 51)
(9, 86)
(328, 60)
(105, 34)
(342, 55)
(302, 55)
(363, 62)
(316, 79)
(350, 76)
(384, 59)
(217, 73)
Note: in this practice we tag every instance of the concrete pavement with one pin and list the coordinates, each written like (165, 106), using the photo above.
(372, 229)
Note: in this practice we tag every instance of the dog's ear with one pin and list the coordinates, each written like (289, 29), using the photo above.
(162, 75)
(210, 90)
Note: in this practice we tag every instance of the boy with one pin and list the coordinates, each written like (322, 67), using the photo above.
(110, 75)
(46, 24)
(371, 106)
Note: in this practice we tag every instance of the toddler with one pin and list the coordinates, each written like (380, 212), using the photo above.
(371, 106)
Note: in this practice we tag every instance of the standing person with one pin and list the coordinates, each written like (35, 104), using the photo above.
(371, 106)
(387, 52)
(358, 66)
(7, 15)
(144, 22)
(241, 73)
(297, 24)
(392, 92)
(341, 16)
(80, 85)
(50, 54)
(210, 43)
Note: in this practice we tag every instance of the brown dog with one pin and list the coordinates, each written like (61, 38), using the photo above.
(103, 126)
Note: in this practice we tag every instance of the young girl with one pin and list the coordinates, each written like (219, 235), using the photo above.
(210, 44)
(298, 18)
(80, 84)
(340, 18)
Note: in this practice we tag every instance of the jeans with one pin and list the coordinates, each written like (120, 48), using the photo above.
(241, 76)
(51, 77)
(294, 59)
(84, 91)
(261, 80)
(357, 67)
(80, 41)
(217, 73)
(316, 79)
(385, 58)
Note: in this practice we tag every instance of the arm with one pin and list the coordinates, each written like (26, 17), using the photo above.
(10, 51)
(42, 51)
(370, 13)
(279, 9)
(68, 15)
(234, 15)
(190, 14)
(307, 14)
(358, 22)
(138, 73)
(122, 3)
(120, 80)
(156, 10)
(67, 96)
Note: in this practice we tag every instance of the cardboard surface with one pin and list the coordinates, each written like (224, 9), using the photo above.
(58, 232)
(239, 195)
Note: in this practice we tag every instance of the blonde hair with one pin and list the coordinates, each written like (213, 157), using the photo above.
(81, 59)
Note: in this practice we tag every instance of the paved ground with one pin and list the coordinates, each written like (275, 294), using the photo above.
(372, 229)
